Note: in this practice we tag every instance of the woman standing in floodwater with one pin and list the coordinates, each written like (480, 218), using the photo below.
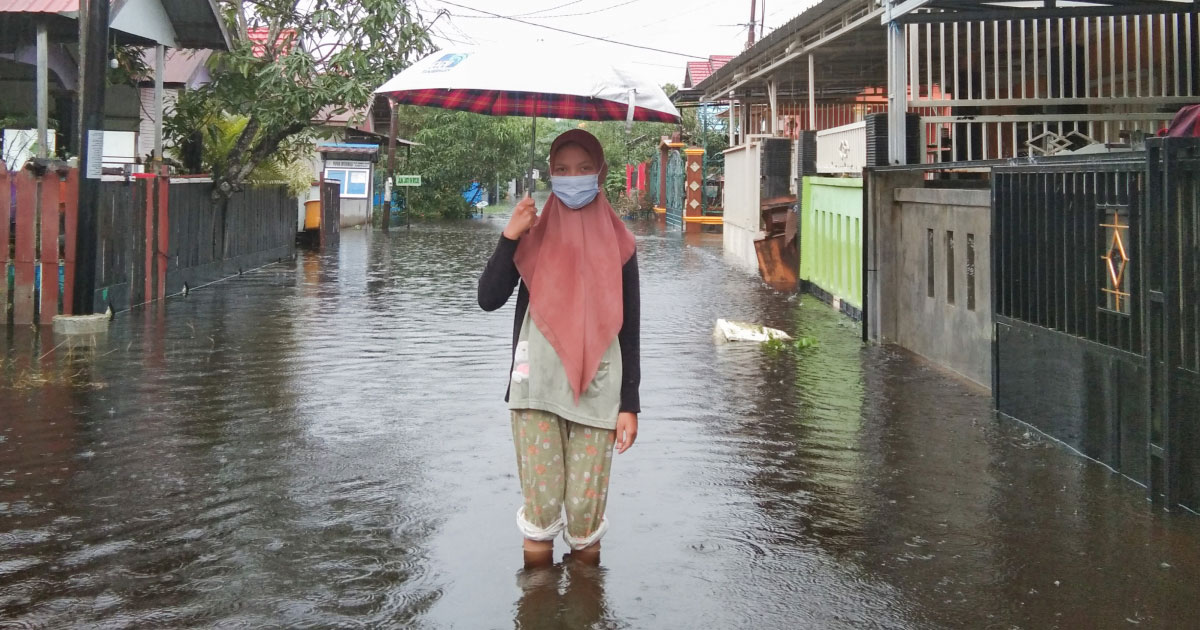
(573, 388)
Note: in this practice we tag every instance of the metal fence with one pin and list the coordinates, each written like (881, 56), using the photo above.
(1097, 308)
(1065, 248)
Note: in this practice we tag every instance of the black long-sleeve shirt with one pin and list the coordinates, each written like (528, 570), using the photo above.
(500, 277)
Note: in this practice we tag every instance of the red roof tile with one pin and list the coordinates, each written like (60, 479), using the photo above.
(260, 34)
(698, 71)
(38, 6)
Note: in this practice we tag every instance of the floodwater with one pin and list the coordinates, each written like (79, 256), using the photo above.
(323, 444)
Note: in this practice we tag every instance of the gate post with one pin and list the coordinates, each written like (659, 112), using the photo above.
(693, 188)
(48, 302)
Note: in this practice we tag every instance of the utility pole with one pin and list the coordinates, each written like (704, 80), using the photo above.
(753, 23)
(387, 213)
(94, 76)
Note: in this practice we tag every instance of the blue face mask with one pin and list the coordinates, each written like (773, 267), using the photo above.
(576, 191)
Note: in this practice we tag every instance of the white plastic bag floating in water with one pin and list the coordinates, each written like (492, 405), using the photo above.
(727, 330)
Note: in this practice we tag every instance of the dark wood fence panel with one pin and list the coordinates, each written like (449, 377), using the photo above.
(258, 228)
(5, 242)
(114, 255)
(331, 214)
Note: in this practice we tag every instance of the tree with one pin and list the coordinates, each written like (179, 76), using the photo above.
(309, 61)
(457, 148)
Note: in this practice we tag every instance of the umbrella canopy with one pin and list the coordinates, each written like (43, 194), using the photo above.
(527, 82)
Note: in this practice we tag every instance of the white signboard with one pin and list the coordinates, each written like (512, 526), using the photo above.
(346, 164)
(95, 155)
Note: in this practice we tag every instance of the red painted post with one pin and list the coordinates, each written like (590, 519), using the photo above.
(23, 258)
(70, 201)
(48, 306)
(5, 216)
(164, 232)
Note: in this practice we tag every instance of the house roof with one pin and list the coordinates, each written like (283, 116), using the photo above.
(261, 35)
(195, 23)
(698, 71)
(198, 24)
(39, 6)
(183, 67)
(845, 37)
(347, 147)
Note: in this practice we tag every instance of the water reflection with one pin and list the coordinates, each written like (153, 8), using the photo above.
(567, 595)
(323, 444)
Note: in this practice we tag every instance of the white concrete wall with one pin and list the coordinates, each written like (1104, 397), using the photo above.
(742, 205)
(356, 212)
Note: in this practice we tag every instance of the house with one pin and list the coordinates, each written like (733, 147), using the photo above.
(35, 95)
(979, 182)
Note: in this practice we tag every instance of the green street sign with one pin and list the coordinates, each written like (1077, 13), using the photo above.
(408, 180)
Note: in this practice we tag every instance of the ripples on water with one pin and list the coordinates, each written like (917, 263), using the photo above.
(324, 444)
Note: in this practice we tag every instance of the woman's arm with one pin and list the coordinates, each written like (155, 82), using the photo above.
(630, 337)
(499, 277)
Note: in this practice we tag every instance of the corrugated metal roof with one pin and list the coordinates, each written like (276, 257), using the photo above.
(198, 24)
(39, 6)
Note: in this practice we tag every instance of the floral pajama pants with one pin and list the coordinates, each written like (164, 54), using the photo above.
(564, 467)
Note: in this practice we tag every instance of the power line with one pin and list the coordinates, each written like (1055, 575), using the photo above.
(548, 17)
(554, 8)
(563, 30)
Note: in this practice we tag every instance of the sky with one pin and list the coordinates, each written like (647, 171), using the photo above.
(696, 28)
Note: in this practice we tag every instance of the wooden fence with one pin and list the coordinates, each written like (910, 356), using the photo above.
(157, 236)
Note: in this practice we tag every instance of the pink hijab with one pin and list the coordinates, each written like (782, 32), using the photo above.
(571, 262)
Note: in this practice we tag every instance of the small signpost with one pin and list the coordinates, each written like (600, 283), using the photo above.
(408, 180)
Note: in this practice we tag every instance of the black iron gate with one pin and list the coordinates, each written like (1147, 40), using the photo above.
(1095, 266)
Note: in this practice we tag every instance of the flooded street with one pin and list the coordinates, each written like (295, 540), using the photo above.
(324, 444)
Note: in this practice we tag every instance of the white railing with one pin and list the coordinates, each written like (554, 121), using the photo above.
(842, 149)
(999, 137)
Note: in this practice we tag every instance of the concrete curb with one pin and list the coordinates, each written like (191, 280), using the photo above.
(81, 324)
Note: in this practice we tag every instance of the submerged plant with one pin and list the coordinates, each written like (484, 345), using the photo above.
(776, 346)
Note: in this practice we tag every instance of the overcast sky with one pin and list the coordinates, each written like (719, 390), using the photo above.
(695, 27)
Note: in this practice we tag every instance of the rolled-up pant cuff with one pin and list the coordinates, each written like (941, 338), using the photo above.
(533, 532)
(583, 543)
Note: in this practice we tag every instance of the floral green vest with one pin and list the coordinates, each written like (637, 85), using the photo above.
(539, 381)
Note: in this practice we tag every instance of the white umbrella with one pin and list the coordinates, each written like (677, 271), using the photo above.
(515, 81)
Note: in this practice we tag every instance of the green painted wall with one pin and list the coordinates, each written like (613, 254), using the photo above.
(831, 236)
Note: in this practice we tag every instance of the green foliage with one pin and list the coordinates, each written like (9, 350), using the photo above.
(131, 65)
(457, 148)
(778, 346)
(321, 58)
(614, 184)
(219, 139)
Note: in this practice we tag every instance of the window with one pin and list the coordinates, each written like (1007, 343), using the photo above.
(929, 263)
(970, 272)
(354, 181)
(949, 267)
